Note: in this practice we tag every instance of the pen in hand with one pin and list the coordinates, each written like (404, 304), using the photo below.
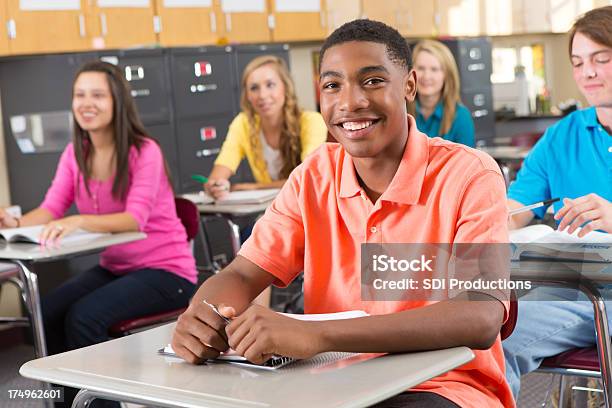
(216, 310)
(532, 206)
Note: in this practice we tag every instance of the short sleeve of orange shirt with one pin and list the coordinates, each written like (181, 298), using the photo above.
(442, 193)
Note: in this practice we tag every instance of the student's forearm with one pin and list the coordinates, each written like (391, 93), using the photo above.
(118, 222)
(258, 186)
(232, 287)
(37, 216)
(474, 324)
(220, 172)
(518, 220)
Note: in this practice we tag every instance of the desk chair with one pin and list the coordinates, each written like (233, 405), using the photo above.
(579, 362)
(9, 273)
(189, 215)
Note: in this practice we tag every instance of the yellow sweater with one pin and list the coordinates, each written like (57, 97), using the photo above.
(236, 145)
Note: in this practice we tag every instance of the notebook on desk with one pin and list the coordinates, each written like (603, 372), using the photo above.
(235, 197)
(30, 235)
(543, 242)
(276, 362)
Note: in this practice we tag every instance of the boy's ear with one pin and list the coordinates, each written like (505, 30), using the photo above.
(410, 88)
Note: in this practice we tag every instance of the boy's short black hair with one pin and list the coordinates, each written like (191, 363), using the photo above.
(371, 31)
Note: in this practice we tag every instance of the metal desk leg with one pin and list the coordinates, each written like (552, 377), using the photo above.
(32, 298)
(603, 338)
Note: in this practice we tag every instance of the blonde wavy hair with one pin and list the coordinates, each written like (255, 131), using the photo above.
(450, 89)
(290, 144)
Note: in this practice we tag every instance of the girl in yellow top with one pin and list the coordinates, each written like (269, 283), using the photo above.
(272, 131)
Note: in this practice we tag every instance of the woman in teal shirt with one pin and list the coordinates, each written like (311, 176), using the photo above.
(437, 108)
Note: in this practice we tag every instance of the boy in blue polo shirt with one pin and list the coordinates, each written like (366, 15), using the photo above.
(572, 161)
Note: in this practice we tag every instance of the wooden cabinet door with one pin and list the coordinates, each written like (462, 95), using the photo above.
(4, 46)
(245, 26)
(535, 15)
(46, 29)
(458, 17)
(119, 27)
(385, 11)
(302, 25)
(180, 26)
(416, 18)
(338, 12)
(497, 15)
(563, 13)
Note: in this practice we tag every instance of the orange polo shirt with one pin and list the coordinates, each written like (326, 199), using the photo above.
(442, 193)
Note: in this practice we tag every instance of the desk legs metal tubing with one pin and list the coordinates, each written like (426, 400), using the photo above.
(603, 335)
(84, 398)
(32, 298)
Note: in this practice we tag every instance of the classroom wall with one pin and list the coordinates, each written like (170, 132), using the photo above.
(556, 63)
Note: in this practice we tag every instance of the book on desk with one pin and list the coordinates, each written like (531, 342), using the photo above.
(543, 242)
(235, 197)
(30, 235)
(276, 362)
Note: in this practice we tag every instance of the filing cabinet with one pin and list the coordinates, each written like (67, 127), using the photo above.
(474, 61)
(199, 142)
(203, 81)
(36, 119)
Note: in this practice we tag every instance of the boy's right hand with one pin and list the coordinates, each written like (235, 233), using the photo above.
(7, 220)
(217, 188)
(200, 333)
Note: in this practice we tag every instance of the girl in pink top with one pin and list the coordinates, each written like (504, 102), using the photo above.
(116, 176)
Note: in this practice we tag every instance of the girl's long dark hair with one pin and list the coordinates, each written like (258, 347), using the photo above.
(128, 129)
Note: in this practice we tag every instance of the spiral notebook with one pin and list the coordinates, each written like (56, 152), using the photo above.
(276, 362)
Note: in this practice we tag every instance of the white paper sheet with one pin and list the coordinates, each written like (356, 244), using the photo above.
(46, 5)
(187, 3)
(241, 6)
(124, 3)
(298, 6)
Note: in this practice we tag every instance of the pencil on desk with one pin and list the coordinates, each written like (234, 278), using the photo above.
(532, 206)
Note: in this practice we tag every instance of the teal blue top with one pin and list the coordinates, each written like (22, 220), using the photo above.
(461, 130)
(571, 160)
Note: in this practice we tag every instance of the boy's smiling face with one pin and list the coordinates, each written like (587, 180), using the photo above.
(363, 98)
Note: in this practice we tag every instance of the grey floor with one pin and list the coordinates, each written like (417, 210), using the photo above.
(535, 387)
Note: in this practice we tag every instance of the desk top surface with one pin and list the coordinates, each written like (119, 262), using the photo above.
(506, 152)
(233, 209)
(570, 272)
(34, 252)
(129, 367)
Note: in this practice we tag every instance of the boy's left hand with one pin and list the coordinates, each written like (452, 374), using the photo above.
(259, 333)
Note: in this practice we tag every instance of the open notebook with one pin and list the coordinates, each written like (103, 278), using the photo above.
(543, 242)
(235, 197)
(30, 235)
(280, 361)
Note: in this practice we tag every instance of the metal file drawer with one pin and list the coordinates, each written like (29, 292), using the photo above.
(147, 73)
(473, 57)
(199, 142)
(203, 81)
(480, 104)
(164, 134)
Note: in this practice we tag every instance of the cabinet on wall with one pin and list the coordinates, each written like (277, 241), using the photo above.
(245, 21)
(4, 48)
(121, 23)
(546, 16)
(458, 17)
(416, 18)
(293, 23)
(338, 12)
(46, 27)
(181, 26)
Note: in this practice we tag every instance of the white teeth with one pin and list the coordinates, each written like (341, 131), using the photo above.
(356, 125)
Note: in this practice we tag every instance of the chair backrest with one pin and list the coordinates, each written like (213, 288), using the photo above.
(189, 215)
(510, 324)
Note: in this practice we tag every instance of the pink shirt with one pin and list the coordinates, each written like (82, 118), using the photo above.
(150, 200)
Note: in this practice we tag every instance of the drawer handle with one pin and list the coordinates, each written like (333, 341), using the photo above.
(480, 113)
(476, 67)
(207, 152)
(195, 88)
(140, 93)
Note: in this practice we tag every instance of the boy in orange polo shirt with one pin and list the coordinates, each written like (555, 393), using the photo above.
(385, 182)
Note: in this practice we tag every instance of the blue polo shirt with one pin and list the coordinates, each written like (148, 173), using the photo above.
(461, 130)
(572, 159)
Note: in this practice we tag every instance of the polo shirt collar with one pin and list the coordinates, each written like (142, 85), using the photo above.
(406, 185)
(590, 118)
